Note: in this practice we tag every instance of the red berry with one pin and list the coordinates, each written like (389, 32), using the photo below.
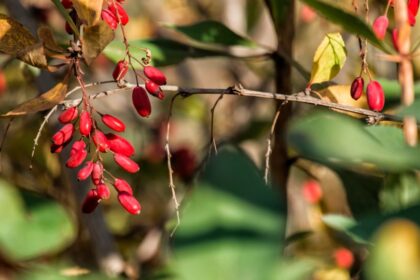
(120, 70)
(129, 203)
(375, 96)
(103, 191)
(413, 7)
(312, 191)
(117, 8)
(184, 163)
(68, 4)
(123, 186)
(109, 18)
(380, 26)
(68, 115)
(76, 159)
(154, 89)
(91, 201)
(141, 102)
(395, 39)
(63, 135)
(155, 75)
(97, 173)
(56, 149)
(3, 82)
(77, 147)
(120, 145)
(344, 258)
(85, 172)
(126, 163)
(85, 125)
(100, 141)
(356, 90)
(113, 123)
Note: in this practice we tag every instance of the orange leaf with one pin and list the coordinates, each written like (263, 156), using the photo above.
(88, 11)
(95, 39)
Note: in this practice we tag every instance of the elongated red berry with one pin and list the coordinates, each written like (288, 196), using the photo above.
(97, 173)
(56, 149)
(103, 191)
(120, 145)
(129, 202)
(122, 14)
(68, 4)
(126, 163)
(395, 39)
(77, 147)
(120, 70)
(109, 18)
(357, 86)
(155, 75)
(154, 89)
(413, 7)
(411, 18)
(113, 123)
(85, 125)
(91, 201)
(141, 102)
(380, 26)
(76, 159)
(63, 135)
(68, 115)
(312, 191)
(100, 141)
(375, 96)
(85, 171)
(121, 185)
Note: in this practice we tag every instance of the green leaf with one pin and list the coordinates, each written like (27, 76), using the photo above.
(337, 140)
(31, 225)
(213, 32)
(413, 110)
(351, 23)
(400, 191)
(329, 58)
(165, 52)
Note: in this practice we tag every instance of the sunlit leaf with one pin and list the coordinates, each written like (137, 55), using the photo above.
(329, 58)
(89, 10)
(341, 94)
(95, 39)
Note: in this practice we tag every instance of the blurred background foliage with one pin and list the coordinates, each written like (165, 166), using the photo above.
(233, 226)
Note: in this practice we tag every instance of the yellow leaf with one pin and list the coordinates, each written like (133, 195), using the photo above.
(17, 41)
(43, 102)
(329, 58)
(341, 94)
(95, 39)
(89, 11)
(46, 36)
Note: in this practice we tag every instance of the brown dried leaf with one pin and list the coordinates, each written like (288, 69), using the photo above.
(17, 41)
(95, 39)
(43, 102)
(89, 11)
(46, 36)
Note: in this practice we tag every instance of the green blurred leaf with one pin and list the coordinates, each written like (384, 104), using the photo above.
(164, 52)
(213, 32)
(32, 226)
(350, 22)
(329, 58)
(341, 141)
(400, 191)
(413, 110)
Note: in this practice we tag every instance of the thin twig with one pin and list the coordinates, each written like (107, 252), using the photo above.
(212, 138)
(170, 170)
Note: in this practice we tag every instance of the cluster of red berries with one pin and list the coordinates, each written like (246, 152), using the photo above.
(115, 14)
(375, 93)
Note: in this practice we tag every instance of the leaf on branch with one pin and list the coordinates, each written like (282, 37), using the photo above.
(17, 41)
(43, 102)
(95, 39)
(341, 94)
(329, 58)
(46, 36)
(89, 11)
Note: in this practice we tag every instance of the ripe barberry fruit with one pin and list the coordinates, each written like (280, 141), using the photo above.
(63, 135)
(395, 39)
(91, 201)
(155, 75)
(100, 141)
(126, 163)
(68, 115)
(113, 123)
(109, 18)
(120, 70)
(103, 191)
(129, 203)
(56, 149)
(357, 86)
(77, 147)
(141, 102)
(85, 125)
(68, 4)
(97, 173)
(380, 26)
(375, 96)
(85, 172)
(76, 159)
(312, 191)
(120, 145)
(343, 258)
(413, 8)
(117, 8)
(121, 185)
(154, 89)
